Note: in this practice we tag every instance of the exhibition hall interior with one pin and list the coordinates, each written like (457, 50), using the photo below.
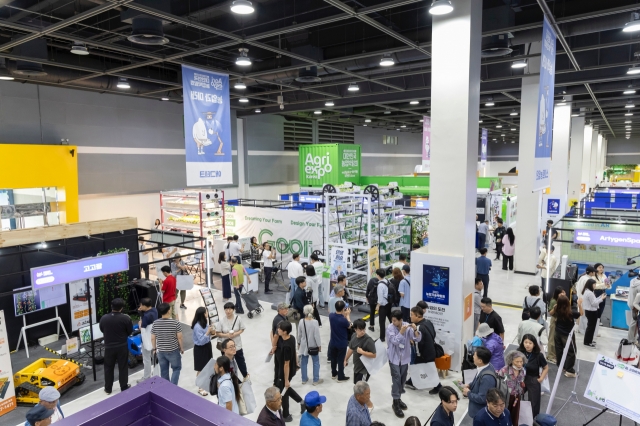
(306, 212)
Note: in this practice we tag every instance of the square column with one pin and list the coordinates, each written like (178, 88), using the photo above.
(586, 158)
(599, 161)
(594, 159)
(576, 153)
(560, 150)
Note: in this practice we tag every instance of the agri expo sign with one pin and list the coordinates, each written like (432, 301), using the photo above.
(334, 164)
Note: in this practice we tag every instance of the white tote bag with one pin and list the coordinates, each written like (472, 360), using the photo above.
(526, 413)
(247, 394)
(424, 376)
(373, 365)
(204, 378)
(184, 282)
(146, 338)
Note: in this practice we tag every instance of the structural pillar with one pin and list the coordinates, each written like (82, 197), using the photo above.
(576, 152)
(560, 150)
(594, 159)
(586, 160)
(599, 160)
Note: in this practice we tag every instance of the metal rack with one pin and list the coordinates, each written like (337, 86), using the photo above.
(194, 212)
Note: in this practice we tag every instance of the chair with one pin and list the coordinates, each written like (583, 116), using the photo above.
(194, 266)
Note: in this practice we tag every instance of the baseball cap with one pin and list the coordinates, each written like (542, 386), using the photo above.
(49, 394)
(406, 268)
(313, 399)
(38, 413)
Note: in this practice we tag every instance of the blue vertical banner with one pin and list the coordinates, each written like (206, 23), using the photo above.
(544, 130)
(483, 148)
(207, 127)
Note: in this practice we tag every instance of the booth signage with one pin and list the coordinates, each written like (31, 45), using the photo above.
(483, 148)
(435, 284)
(607, 238)
(79, 307)
(426, 141)
(544, 139)
(7, 391)
(207, 124)
(62, 273)
(333, 164)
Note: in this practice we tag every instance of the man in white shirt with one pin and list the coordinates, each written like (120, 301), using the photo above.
(294, 270)
(477, 297)
(318, 266)
(235, 249)
(384, 306)
(483, 230)
(545, 259)
(402, 260)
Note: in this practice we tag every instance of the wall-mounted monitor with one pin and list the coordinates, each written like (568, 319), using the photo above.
(30, 301)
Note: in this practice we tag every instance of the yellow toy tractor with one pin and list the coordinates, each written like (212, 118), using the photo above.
(62, 374)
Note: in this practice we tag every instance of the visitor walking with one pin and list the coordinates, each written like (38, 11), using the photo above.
(443, 416)
(404, 288)
(483, 267)
(178, 267)
(494, 343)
(271, 414)
(384, 304)
(508, 249)
(202, 350)
(231, 327)
(169, 290)
(360, 345)
(225, 274)
(565, 321)
(287, 362)
(546, 262)
(309, 345)
(359, 404)
(477, 298)
(340, 322)
(116, 327)
(294, 270)
(372, 299)
(314, 281)
(495, 413)
(166, 339)
(228, 385)
(237, 280)
(591, 304)
(426, 347)
(313, 402)
(602, 285)
(491, 317)
(483, 233)
(484, 380)
(534, 299)
(268, 256)
(148, 314)
(498, 234)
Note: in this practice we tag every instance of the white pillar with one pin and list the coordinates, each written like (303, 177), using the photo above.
(586, 158)
(599, 160)
(560, 150)
(576, 152)
(594, 159)
(528, 200)
(455, 99)
(243, 188)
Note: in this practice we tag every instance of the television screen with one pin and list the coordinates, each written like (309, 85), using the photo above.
(31, 301)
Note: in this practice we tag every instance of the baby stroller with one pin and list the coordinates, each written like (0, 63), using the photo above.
(253, 305)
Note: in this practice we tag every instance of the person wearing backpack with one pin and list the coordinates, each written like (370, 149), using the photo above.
(485, 379)
(372, 299)
(384, 303)
(426, 348)
(534, 299)
(393, 285)
(531, 326)
(404, 289)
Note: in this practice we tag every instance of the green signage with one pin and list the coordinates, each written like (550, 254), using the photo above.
(329, 163)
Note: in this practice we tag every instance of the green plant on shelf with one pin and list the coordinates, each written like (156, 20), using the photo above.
(112, 286)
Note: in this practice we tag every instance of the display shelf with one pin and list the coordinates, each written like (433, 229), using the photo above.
(197, 212)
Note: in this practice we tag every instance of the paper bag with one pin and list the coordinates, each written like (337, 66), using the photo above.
(424, 376)
(203, 379)
(373, 365)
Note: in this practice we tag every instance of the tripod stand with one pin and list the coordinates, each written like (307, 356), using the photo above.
(602, 412)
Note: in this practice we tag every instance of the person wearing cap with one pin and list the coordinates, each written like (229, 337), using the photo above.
(405, 293)
(313, 401)
(493, 342)
(39, 415)
(50, 399)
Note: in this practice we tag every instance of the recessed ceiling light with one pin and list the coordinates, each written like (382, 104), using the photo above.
(353, 87)
(240, 85)
(242, 7)
(634, 70)
(123, 83)
(514, 112)
(503, 135)
(243, 100)
(520, 63)
(79, 48)
(317, 112)
(499, 126)
(164, 98)
(387, 112)
(629, 92)
(368, 120)
(387, 60)
(440, 7)
(489, 104)
(414, 102)
(329, 103)
(243, 60)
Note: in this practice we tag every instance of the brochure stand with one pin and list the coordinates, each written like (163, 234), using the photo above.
(25, 327)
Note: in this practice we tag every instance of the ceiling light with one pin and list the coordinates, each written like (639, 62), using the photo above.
(628, 122)
(520, 63)
(499, 126)
(513, 141)
(422, 121)
(368, 120)
(387, 112)
(240, 85)
(575, 115)
(629, 105)
(629, 92)
(414, 102)
(387, 60)
(514, 112)
(634, 70)
(629, 114)
(243, 100)
(514, 129)
(43, 244)
(243, 60)
(503, 135)
(364, 125)
(242, 7)
(628, 136)
(5, 74)
(479, 121)
(495, 139)
(258, 111)
(329, 103)
(353, 87)
(79, 49)
(318, 112)
(403, 126)
(123, 83)
(440, 7)
(633, 25)
(489, 104)
(561, 104)
(164, 98)
(398, 130)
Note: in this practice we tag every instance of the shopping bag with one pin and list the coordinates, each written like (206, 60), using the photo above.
(627, 352)
(424, 376)
(447, 341)
(373, 365)
(242, 407)
(247, 394)
(526, 413)
(545, 386)
(146, 338)
(203, 379)
(184, 282)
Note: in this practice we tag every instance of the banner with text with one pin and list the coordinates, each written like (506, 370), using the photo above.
(79, 304)
(544, 137)
(207, 127)
(607, 238)
(288, 231)
(7, 392)
(483, 148)
(426, 141)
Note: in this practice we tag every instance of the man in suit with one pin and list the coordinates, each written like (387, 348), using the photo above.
(271, 414)
(485, 379)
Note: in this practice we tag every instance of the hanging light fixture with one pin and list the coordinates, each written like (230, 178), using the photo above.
(368, 120)
(489, 103)
(123, 83)
(243, 100)
(240, 85)
(387, 60)
(243, 60)
(258, 111)
(403, 126)
(513, 129)
(633, 25)
(4, 72)
(317, 112)
(242, 7)
(513, 112)
(78, 48)
(499, 126)
(353, 87)
(629, 105)
(629, 114)
(329, 103)
(414, 102)
(634, 70)
(440, 7)
(164, 98)
(520, 63)
(629, 92)
(387, 112)
(480, 121)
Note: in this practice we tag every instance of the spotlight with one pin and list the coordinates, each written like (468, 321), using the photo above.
(243, 60)
(78, 48)
(329, 103)
(258, 111)
(353, 87)
(387, 60)
(240, 85)
(440, 7)
(520, 63)
(242, 7)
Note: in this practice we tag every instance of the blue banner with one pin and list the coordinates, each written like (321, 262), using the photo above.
(483, 148)
(544, 140)
(207, 127)
(435, 284)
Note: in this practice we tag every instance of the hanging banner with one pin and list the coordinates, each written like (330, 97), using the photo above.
(207, 127)
(288, 231)
(79, 306)
(7, 392)
(426, 142)
(483, 148)
(542, 162)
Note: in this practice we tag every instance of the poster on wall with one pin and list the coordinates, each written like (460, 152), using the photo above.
(426, 142)
(483, 148)
(207, 127)
(435, 284)
(79, 304)
(7, 392)
(338, 263)
(544, 139)
(374, 261)
(288, 231)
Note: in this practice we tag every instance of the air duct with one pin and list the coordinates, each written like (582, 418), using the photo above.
(36, 49)
(497, 45)
(147, 29)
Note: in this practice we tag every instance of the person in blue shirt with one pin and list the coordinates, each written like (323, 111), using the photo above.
(405, 293)
(340, 322)
(495, 413)
(313, 401)
(228, 385)
(483, 266)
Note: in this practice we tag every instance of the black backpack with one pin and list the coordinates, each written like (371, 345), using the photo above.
(526, 312)
(393, 296)
(372, 295)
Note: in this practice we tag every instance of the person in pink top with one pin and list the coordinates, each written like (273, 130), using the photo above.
(508, 248)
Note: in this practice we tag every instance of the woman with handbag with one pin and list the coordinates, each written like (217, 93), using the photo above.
(202, 334)
(514, 373)
(309, 345)
(225, 273)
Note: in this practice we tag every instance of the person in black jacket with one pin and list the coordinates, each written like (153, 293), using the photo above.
(443, 416)
(426, 347)
(372, 298)
(271, 414)
(116, 328)
(299, 300)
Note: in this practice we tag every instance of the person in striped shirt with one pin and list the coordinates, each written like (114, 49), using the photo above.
(166, 339)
